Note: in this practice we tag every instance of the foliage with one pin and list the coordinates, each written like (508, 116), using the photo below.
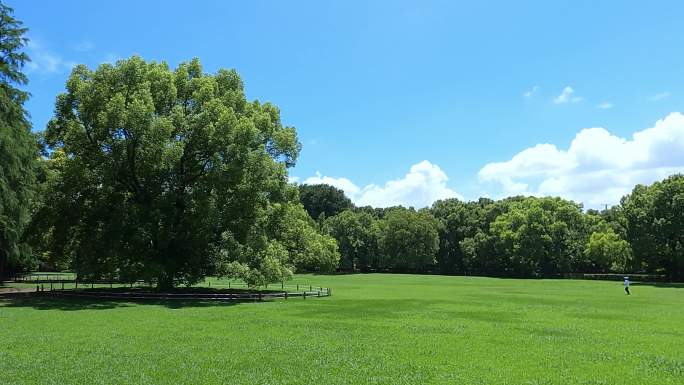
(465, 246)
(410, 239)
(323, 199)
(519, 236)
(615, 218)
(608, 251)
(308, 249)
(538, 236)
(167, 175)
(655, 226)
(18, 147)
(291, 243)
(357, 235)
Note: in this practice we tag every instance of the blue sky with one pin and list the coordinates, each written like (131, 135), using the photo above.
(408, 102)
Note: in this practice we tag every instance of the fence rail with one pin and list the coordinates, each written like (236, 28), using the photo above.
(619, 277)
(258, 296)
(68, 286)
(38, 278)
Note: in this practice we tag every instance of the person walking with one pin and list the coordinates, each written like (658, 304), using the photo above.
(627, 285)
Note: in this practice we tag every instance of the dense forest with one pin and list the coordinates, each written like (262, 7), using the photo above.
(514, 237)
(170, 175)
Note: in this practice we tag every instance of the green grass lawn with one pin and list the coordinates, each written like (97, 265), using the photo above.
(375, 329)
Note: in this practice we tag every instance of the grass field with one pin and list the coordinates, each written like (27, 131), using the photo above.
(375, 329)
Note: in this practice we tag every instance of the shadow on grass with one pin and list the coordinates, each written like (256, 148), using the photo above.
(44, 302)
(403, 309)
(660, 284)
(48, 302)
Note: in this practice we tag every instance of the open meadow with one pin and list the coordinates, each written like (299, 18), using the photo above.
(374, 329)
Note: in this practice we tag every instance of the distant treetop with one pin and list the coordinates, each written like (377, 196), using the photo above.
(323, 199)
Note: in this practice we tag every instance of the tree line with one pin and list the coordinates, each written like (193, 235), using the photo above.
(513, 237)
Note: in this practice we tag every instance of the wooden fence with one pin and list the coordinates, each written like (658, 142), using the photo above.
(67, 286)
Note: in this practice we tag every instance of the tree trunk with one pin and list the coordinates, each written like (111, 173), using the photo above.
(4, 267)
(165, 282)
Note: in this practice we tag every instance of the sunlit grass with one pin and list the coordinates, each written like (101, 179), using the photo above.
(375, 329)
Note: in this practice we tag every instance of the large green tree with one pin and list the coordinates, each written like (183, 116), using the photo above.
(608, 252)
(463, 229)
(539, 236)
(410, 239)
(357, 235)
(168, 175)
(655, 226)
(18, 146)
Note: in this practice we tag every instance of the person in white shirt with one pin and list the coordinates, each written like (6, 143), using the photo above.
(626, 285)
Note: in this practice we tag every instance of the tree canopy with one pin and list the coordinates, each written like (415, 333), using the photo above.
(170, 176)
(655, 226)
(323, 199)
(19, 149)
(608, 251)
(410, 238)
(539, 236)
(519, 236)
(357, 235)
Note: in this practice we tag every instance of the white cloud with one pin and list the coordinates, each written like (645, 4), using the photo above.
(349, 188)
(528, 94)
(420, 187)
(44, 61)
(598, 167)
(566, 96)
(605, 106)
(660, 96)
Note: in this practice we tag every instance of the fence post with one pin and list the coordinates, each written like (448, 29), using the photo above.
(310, 287)
(62, 285)
(259, 296)
(50, 285)
(37, 288)
(76, 284)
(285, 295)
(297, 287)
(304, 294)
(319, 293)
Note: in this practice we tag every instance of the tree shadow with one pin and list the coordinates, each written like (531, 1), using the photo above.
(44, 301)
(677, 285)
